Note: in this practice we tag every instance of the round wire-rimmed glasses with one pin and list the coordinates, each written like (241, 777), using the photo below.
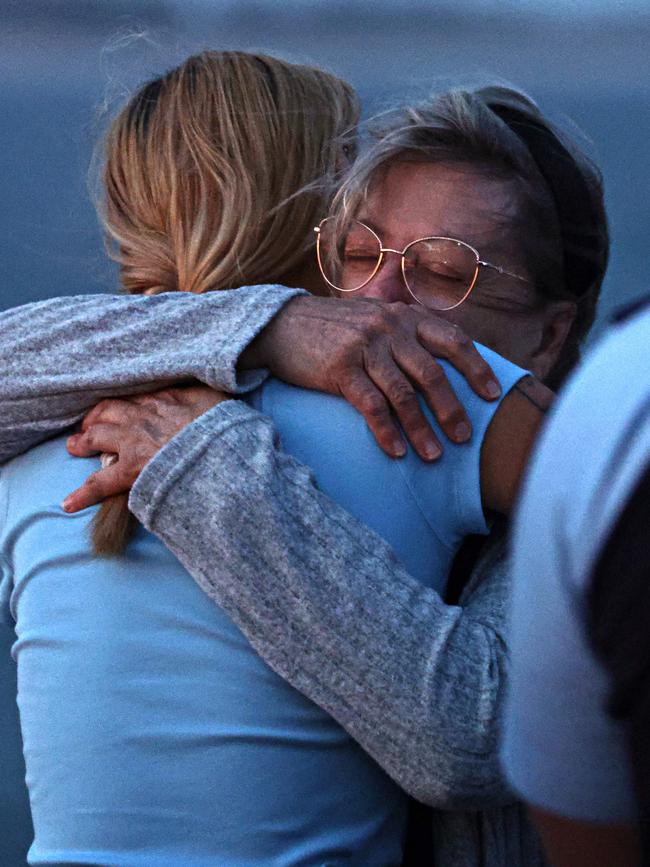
(438, 272)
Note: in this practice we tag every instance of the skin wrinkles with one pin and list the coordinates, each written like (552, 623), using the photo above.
(417, 199)
(412, 200)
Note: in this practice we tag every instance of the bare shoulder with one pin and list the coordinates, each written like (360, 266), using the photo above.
(509, 440)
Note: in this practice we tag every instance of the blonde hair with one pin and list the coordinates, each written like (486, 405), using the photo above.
(561, 225)
(210, 171)
(214, 176)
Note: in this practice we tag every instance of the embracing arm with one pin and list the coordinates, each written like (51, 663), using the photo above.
(60, 357)
(323, 600)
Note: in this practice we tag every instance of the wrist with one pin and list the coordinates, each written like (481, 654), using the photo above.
(263, 351)
(254, 356)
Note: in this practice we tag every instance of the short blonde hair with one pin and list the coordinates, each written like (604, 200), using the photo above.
(207, 171)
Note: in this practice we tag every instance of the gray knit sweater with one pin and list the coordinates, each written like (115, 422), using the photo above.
(419, 684)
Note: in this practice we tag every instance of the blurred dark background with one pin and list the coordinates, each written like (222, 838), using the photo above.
(64, 63)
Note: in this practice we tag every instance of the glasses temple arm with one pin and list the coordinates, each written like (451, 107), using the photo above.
(503, 271)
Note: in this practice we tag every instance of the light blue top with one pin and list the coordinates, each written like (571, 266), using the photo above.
(153, 733)
(562, 751)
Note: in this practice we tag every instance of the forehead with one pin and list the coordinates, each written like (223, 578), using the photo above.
(414, 199)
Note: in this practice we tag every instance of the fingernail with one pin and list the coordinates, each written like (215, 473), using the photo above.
(399, 449)
(493, 389)
(432, 451)
(463, 432)
(66, 504)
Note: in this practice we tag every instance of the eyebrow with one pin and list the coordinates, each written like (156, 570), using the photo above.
(444, 233)
(370, 224)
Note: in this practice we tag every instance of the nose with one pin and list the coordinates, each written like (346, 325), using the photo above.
(388, 283)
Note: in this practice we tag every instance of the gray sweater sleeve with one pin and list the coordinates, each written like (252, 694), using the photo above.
(323, 600)
(60, 357)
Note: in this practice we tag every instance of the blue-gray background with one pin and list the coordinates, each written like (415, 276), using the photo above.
(61, 61)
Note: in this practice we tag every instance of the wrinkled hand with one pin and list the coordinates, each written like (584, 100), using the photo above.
(134, 429)
(377, 355)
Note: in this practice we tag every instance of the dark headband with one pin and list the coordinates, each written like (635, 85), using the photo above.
(581, 220)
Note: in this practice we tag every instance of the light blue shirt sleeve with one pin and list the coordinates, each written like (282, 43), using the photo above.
(423, 510)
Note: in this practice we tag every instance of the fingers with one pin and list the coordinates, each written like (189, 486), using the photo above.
(94, 440)
(359, 390)
(429, 378)
(114, 478)
(402, 397)
(446, 340)
(112, 410)
(98, 486)
(183, 403)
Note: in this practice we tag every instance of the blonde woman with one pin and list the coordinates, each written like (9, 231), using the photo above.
(423, 511)
(153, 733)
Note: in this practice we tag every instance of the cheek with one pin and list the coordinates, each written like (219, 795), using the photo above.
(478, 324)
(513, 337)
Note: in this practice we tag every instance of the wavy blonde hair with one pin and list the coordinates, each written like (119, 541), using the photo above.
(214, 176)
(215, 173)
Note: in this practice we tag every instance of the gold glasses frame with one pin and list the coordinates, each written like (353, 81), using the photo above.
(382, 250)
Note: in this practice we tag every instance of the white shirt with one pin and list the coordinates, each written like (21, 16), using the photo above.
(561, 751)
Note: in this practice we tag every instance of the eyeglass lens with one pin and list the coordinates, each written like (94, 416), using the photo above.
(439, 272)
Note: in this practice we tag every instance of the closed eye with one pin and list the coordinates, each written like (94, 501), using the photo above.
(359, 254)
(439, 271)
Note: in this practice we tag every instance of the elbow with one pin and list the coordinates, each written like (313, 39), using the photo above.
(457, 743)
(466, 789)
(451, 779)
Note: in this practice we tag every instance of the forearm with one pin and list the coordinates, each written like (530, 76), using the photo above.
(60, 357)
(323, 600)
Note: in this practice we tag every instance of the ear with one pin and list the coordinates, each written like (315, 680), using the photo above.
(556, 323)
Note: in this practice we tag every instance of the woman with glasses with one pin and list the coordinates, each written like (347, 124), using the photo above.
(423, 510)
(438, 273)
